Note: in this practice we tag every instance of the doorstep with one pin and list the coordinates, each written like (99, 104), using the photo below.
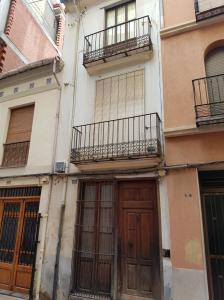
(10, 295)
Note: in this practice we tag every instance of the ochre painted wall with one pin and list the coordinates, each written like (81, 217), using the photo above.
(185, 219)
(178, 12)
(183, 61)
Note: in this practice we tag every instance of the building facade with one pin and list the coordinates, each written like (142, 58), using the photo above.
(29, 31)
(108, 225)
(192, 58)
(30, 94)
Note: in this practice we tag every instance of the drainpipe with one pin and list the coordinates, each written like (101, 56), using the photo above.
(63, 206)
(44, 218)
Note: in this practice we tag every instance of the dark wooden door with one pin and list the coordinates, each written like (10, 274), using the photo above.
(138, 239)
(213, 208)
(94, 248)
(18, 225)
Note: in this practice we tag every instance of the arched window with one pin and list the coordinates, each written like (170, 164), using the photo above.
(214, 67)
(214, 62)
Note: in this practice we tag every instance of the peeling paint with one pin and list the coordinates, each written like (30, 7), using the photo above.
(193, 252)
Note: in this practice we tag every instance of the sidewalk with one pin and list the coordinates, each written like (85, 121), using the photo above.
(9, 295)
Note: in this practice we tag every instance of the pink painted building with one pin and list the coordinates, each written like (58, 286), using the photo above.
(193, 68)
(29, 32)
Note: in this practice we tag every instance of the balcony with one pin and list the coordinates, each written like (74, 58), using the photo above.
(116, 140)
(15, 154)
(209, 100)
(118, 46)
(205, 9)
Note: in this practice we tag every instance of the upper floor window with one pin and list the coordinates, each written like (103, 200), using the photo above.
(117, 16)
(205, 9)
(17, 143)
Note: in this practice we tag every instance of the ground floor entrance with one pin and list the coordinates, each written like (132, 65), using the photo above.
(117, 241)
(212, 197)
(19, 221)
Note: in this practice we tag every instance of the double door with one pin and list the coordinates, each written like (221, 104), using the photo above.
(18, 234)
(117, 246)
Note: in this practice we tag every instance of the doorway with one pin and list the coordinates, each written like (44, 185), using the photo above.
(18, 233)
(117, 241)
(212, 197)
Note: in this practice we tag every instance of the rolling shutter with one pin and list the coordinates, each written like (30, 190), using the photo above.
(20, 124)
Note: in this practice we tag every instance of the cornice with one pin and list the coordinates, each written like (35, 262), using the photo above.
(189, 26)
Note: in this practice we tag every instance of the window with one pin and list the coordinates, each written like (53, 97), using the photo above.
(120, 15)
(214, 66)
(120, 96)
(17, 143)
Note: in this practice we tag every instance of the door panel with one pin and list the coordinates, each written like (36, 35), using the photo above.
(139, 239)
(94, 251)
(18, 230)
(213, 205)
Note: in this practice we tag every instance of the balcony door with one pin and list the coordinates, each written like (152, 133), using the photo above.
(214, 65)
(115, 18)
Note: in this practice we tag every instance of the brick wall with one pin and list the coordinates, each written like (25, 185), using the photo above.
(28, 37)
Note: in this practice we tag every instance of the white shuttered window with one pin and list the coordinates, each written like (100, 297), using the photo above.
(120, 96)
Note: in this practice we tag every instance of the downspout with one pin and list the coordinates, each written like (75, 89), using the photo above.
(45, 216)
(63, 205)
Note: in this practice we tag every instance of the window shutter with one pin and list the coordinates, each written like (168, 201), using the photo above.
(120, 96)
(20, 124)
(214, 62)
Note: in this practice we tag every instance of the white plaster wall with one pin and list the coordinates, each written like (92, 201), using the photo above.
(189, 284)
(43, 130)
(93, 21)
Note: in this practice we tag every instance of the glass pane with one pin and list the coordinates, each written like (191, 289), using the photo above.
(110, 33)
(120, 33)
(110, 19)
(29, 233)
(88, 222)
(131, 11)
(8, 231)
(121, 15)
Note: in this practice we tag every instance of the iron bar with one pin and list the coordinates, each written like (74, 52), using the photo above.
(209, 99)
(205, 9)
(15, 154)
(137, 136)
(110, 42)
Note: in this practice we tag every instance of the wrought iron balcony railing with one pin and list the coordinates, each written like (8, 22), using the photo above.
(15, 154)
(209, 99)
(205, 9)
(120, 40)
(126, 138)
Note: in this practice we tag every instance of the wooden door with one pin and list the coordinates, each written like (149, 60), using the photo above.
(94, 248)
(213, 213)
(18, 230)
(138, 239)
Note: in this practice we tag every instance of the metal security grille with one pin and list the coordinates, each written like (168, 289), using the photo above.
(213, 204)
(19, 228)
(9, 225)
(20, 192)
(94, 249)
(15, 154)
(29, 233)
